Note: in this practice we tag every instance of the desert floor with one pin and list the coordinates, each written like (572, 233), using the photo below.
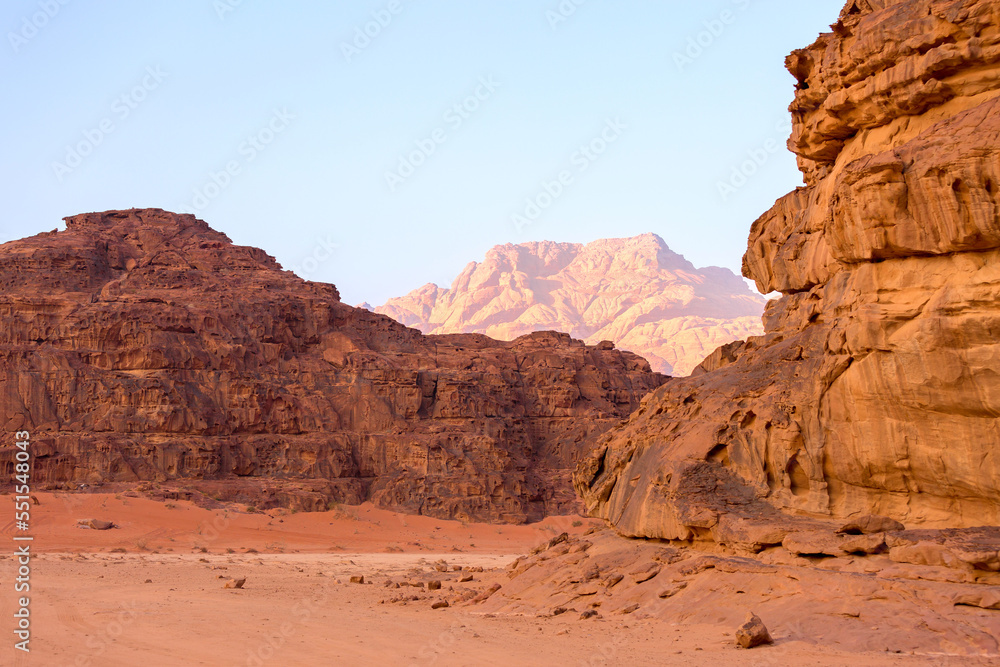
(151, 593)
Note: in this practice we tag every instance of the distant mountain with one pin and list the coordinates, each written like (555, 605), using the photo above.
(635, 292)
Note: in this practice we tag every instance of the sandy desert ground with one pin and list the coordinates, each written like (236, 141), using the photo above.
(151, 593)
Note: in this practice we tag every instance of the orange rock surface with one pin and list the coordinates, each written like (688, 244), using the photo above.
(875, 388)
(144, 346)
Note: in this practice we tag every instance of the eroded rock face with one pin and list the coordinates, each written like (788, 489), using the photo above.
(143, 345)
(635, 292)
(876, 388)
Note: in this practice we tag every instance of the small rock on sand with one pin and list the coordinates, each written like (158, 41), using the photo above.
(360, 579)
(434, 585)
(440, 604)
(753, 633)
(236, 583)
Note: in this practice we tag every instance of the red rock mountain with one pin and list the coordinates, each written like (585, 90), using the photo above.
(876, 387)
(142, 345)
(635, 292)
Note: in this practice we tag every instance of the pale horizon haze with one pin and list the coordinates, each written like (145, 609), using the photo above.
(381, 145)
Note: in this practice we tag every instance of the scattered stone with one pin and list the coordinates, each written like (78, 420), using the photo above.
(645, 574)
(559, 539)
(358, 579)
(487, 594)
(465, 578)
(630, 608)
(613, 580)
(672, 590)
(434, 585)
(95, 524)
(440, 604)
(753, 633)
(236, 583)
(590, 613)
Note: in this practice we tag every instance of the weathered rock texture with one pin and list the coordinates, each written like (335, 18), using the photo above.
(143, 345)
(634, 292)
(876, 388)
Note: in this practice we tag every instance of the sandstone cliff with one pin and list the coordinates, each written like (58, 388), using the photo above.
(143, 345)
(635, 292)
(876, 387)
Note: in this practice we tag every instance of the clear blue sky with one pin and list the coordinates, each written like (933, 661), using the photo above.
(152, 99)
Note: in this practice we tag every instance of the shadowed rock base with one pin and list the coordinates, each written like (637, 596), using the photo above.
(143, 346)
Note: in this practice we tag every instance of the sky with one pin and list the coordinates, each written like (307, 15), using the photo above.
(383, 144)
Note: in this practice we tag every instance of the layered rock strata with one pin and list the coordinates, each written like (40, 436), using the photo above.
(876, 387)
(144, 346)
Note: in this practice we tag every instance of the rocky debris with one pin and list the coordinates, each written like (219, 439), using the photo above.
(218, 371)
(440, 604)
(672, 590)
(236, 583)
(590, 613)
(753, 633)
(465, 578)
(811, 600)
(874, 388)
(644, 574)
(487, 594)
(557, 540)
(632, 293)
(434, 585)
(95, 524)
(357, 579)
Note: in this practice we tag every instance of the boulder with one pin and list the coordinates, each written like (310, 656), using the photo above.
(753, 633)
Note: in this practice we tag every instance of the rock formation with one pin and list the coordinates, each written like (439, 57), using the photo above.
(635, 292)
(876, 387)
(144, 346)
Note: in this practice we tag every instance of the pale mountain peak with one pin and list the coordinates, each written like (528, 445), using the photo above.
(634, 291)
